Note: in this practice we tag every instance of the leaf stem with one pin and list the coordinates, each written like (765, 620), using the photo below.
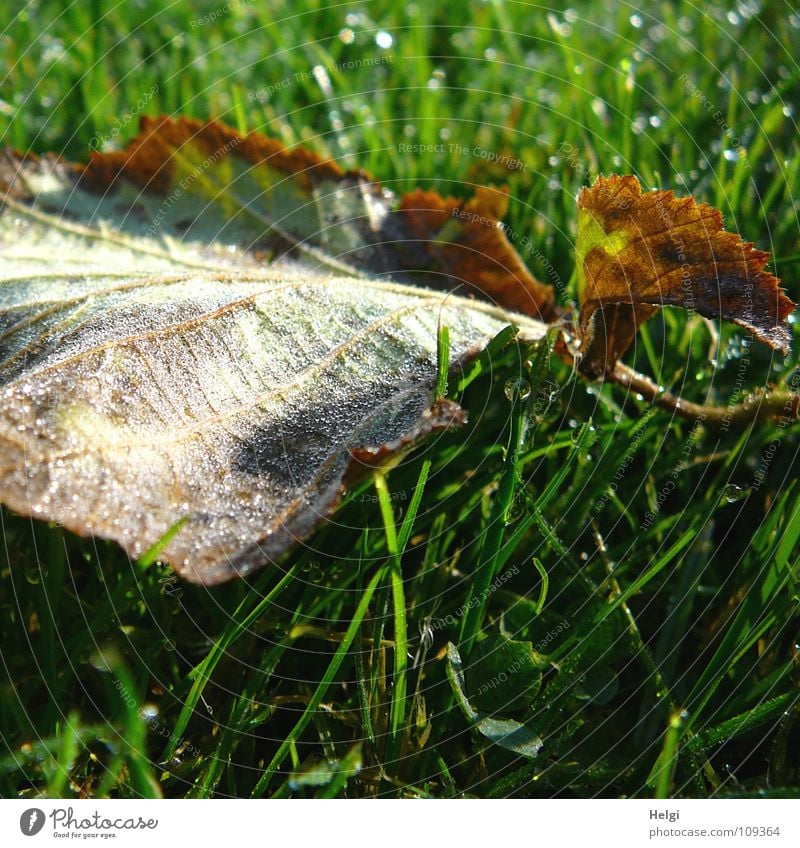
(763, 406)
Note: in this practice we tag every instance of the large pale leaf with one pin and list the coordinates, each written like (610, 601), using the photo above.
(156, 372)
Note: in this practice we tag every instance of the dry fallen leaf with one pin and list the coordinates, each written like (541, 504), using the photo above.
(155, 370)
(204, 335)
(637, 251)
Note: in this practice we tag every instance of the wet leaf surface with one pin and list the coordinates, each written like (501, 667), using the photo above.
(157, 371)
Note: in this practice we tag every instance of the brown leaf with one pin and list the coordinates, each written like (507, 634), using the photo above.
(161, 381)
(636, 252)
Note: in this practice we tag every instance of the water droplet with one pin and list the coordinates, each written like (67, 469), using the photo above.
(517, 389)
(516, 509)
(733, 493)
(562, 28)
(384, 40)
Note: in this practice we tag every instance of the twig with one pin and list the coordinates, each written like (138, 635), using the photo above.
(759, 406)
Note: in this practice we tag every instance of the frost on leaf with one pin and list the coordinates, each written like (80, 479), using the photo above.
(209, 331)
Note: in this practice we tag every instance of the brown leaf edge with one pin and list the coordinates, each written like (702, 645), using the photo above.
(455, 243)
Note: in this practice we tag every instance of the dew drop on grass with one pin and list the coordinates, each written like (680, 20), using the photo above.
(733, 493)
(515, 510)
(517, 389)
(33, 576)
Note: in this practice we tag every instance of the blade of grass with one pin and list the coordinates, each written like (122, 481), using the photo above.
(663, 771)
(493, 534)
(201, 674)
(319, 693)
(400, 674)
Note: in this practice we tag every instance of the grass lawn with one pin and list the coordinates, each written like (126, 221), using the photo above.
(625, 600)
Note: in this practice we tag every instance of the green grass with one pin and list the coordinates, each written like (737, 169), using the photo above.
(660, 656)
